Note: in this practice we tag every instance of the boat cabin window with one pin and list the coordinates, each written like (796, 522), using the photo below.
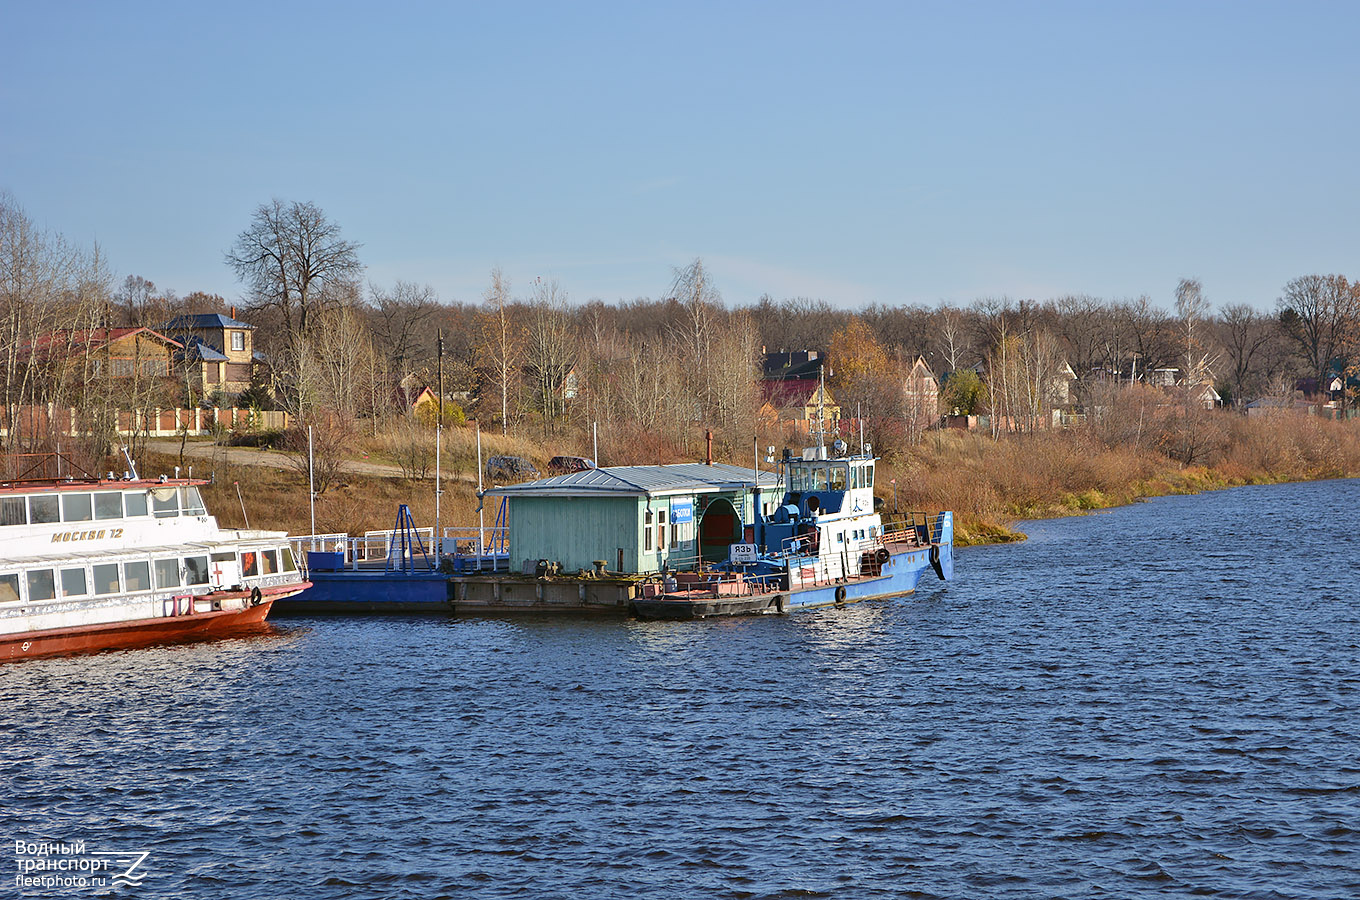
(13, 511)
(195, 570)
(838, 478)
(106, 577)
(165, 503)
(819, 479)
(9, 588)
(167, 573)
(134, 504)
(41, 584)
(868, 477)
(73, 583)
(249, 567)
(288, 564)
(137, 576)
(42, 510)
(191, 502)
(76, 508)
(108, 505)
(270, 560)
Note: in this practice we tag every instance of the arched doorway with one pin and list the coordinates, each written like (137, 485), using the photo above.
(719, 528)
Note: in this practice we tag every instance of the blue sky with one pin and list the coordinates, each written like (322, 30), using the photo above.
(854, 152)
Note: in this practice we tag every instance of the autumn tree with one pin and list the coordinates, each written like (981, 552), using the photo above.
(865, 382)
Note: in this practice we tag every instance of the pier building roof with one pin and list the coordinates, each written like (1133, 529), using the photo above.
(643, 481)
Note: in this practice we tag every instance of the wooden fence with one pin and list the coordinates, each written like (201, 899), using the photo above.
(155, 423)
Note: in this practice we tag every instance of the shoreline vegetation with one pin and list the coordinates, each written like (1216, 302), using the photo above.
(990, 483)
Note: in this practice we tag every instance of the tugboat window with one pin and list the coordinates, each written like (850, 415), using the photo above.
(106, 577)
(838, 478)
(76, 508)
(9, 588)
(270, 559)
(42, 510)
(108, 505)
(137, 576)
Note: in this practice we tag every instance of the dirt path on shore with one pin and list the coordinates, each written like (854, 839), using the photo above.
(255, 456)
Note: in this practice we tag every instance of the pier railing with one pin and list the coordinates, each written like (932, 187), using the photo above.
(468, 549)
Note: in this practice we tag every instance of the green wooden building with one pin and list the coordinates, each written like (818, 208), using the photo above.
(637, 519)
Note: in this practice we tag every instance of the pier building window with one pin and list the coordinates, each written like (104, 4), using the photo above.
(167, 573)
(73, 583)
(661, 530)
(76, 508)
(137, 576)
(165, 503)
(134, 504)
(9, 588)
(106, 577)
(647, 530)
(42, 510)
(42, 585)
(108, 505)
(195, 570)
(13, 511)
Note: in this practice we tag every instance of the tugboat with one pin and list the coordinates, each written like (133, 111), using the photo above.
(825, 544)
(96, 563)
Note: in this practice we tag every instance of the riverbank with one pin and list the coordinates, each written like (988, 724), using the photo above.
(989, 483)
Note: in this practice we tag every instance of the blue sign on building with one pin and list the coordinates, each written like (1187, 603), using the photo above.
(682, 511)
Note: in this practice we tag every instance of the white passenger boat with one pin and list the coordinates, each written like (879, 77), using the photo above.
(98, 563)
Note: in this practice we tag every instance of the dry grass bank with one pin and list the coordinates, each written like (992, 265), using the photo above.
(991, 483)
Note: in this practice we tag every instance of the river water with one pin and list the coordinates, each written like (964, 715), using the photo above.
(1160, 700)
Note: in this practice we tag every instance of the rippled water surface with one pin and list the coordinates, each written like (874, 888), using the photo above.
(1158, 700)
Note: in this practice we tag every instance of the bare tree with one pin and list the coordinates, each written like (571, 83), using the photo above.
(1244, 333)
(550, 350)
(1321, 313)
(402, 319)
(501, 344)
(291, 257)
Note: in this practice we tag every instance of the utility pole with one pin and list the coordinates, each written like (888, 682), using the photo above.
(438, 441)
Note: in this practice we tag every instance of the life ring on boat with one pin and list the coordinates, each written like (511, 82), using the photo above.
(255, 596)
(840, 595)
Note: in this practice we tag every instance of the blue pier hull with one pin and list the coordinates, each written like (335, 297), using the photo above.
(351, 591)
